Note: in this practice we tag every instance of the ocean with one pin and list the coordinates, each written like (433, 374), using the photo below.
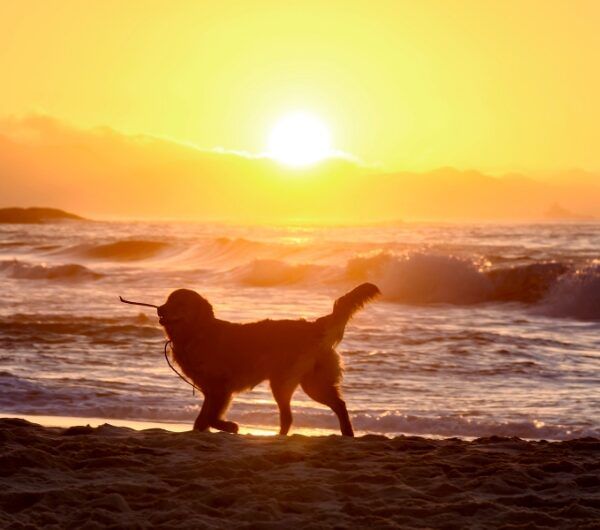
(482, 329)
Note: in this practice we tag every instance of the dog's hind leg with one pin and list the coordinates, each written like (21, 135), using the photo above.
(322, 385)
(282, 392)
(329, 395)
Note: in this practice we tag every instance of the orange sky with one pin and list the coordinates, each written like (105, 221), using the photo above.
(498, 86)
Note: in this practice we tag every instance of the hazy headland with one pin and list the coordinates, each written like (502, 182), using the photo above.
(104, 173)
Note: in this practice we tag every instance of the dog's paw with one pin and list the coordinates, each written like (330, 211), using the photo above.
(226, 426)
(234, 427)
(201, 426)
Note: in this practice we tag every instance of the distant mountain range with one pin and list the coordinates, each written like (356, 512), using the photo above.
(106, 173)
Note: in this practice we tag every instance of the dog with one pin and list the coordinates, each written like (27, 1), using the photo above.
(224, 358)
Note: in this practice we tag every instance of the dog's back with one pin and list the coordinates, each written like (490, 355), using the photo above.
(269, 349)
(275, 336)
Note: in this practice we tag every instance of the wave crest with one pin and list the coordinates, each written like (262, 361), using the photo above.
(271, 272)
(525, 283)
(575, 294)
(128, 250)
(27, 271)
(423, 278)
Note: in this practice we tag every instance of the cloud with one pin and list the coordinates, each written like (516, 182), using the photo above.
(46, 162)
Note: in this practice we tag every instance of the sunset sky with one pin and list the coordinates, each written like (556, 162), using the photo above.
(499, 87)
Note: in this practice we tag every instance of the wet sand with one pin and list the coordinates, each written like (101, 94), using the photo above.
(107, 476)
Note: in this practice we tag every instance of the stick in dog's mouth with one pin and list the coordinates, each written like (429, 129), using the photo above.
(137, 303)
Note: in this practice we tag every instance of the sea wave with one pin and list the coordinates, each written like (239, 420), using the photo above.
(525, 283)
(219, 253)
(550, 288)
(125, 250)
(18, 329)
(394, 423)
(575, 294)
(28, 271)
(224, 253)
(404, 276)
(88, 399)
(423, 278)
(454, 425)
(271, 272)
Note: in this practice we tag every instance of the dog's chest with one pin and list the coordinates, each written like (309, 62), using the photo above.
(196, 364)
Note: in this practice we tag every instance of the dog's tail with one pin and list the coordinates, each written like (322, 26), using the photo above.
(344, 308)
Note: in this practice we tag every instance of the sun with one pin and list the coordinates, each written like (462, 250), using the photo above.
(299, 139)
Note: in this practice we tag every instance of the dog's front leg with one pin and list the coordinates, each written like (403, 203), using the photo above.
(214, 406)
(221, 404)
(202, 422)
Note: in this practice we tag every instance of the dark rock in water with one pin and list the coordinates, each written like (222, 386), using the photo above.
(35, 215)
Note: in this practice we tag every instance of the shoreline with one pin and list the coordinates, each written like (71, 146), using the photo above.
(103, 476)
(53, 420)
(141, 425)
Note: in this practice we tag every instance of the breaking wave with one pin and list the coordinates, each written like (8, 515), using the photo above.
(552, 289)
(525, 283)
(269, 272)
(421, 278)
(128, 250)
(26, 271)
(404, 276)
(575, 294)
(220, 252)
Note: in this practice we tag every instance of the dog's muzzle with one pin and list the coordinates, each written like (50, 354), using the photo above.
(163, 320)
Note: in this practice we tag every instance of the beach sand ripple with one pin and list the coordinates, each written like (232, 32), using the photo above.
(117, 477)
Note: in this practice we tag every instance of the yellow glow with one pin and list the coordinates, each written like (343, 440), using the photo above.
(403, 88)
(495, 86)
(299, 139)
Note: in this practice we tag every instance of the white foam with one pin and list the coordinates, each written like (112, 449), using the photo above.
(27, 271)
(575, 294)
(424, 278)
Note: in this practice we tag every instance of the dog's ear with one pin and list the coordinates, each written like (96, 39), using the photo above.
(203, 311)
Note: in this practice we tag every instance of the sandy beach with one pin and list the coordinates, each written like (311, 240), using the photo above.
(107, 476)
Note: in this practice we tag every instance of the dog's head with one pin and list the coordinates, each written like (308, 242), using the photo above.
(184, 311)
